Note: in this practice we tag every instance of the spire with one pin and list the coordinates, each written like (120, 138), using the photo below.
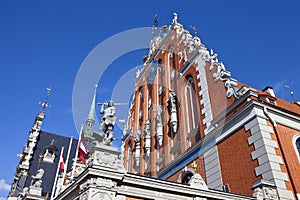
(91, 115)
(90, 120)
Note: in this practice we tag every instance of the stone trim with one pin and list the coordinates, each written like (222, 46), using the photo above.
(213, 169)
(268, 162)
(101, 181)
(205, 101)
(216, 134)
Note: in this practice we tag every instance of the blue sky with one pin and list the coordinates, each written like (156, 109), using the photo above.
(44, 43)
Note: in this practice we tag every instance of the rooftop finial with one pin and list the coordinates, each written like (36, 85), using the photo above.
(194, 28)
(155, 25)
(45, 104)
(175, 17)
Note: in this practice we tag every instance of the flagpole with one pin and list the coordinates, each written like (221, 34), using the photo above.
(57, 170)
(76, 155)
(67, 160)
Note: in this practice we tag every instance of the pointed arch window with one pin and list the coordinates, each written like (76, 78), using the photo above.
(191, 104)
(296, 144)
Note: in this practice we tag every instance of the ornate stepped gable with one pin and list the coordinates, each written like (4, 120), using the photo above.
(210, 109)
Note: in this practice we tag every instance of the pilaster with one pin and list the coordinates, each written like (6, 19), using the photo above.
(265, 153)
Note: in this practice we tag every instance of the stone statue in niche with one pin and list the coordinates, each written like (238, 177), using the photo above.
(159, 125)
(137, 141)
(173, 111)
(147, 138)
(37, 179)
(108, 122)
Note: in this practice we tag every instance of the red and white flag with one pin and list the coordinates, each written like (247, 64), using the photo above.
(61, 162)
(82, 149)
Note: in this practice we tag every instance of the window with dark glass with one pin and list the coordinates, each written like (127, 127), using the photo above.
(298, 145)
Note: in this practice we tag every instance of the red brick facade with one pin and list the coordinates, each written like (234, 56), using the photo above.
(213, 111)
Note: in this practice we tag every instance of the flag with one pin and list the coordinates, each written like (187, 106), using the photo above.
(61, 162)
(82, 149)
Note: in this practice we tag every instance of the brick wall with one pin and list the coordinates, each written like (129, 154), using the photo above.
(237, 166)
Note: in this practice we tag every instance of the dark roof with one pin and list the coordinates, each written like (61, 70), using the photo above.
(43, 142)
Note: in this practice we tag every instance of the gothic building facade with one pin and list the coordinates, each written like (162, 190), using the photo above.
(193, 132)
(188, 115)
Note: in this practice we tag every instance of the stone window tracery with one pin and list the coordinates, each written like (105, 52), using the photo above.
(191, 104)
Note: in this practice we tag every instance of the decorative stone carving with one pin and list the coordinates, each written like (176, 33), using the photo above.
(103, 195)
(84, 196)
(258, 193)
(223, 75)
(175, 17)
(37, 179)
(137, 141)
(270, 193)
(103, 183)
(154, 44)
(159, 125)
(173, 73)
(173, 111)
(265, 190)
(149, 103)
(171, 51)
(265, 193)
(107, 123)
(160, 90)
(140, 115)
(36, 184)
(198, 182)
(106, 157)
(183, 56)
(147, 138)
